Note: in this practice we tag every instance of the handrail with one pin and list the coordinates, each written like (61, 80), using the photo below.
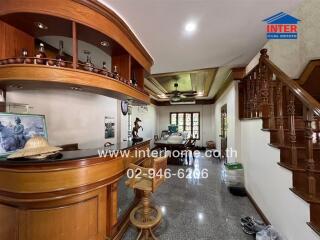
(310, 102)
(286, 109)
(297, 90)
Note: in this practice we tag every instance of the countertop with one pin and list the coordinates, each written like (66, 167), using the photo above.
(75, 155)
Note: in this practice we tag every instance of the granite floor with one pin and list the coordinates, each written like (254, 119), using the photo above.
(199, 208)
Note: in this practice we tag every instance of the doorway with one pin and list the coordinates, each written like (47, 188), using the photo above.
(223, 134)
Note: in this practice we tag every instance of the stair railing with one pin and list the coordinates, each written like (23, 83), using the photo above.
(267, 92)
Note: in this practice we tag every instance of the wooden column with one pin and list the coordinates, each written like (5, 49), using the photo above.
(113, 188)
(255, 94)
(317, 122)
(279, 117)
(264, 90)
(271, 100)
(74, 45)
(308, 117)
(292, 128)
(251, 95)
(245, 98)
(248, 105)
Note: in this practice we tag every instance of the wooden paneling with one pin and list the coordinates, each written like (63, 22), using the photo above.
(12, 41)
(77, 221)
(46, 76)
(139, 74)
(9, 219)
(77, 201)
(123, 63)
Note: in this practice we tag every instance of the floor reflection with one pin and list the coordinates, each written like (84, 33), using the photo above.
(197, 208)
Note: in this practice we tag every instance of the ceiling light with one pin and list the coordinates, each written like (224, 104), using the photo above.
(175, 98)
(41, 25)
(162, 96)
(105, 43)
(190, 27)
(200, 93)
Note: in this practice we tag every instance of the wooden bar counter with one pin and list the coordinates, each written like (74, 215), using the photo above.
(72, 197)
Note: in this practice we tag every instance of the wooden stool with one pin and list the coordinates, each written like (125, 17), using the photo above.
(145, 216)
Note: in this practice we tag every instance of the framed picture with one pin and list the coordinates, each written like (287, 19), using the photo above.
(109, 127)
(16, 129)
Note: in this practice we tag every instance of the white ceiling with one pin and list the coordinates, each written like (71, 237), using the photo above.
(229, 33)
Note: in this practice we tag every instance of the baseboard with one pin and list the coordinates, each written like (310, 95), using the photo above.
(258, 209)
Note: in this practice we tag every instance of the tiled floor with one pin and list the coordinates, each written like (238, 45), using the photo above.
(199, 209)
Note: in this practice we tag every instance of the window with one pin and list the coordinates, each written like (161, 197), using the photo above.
(187, 122)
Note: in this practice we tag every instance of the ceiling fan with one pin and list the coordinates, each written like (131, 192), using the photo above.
(176, 95)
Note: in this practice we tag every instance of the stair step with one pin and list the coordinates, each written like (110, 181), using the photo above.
(306, 197)
(314, 227)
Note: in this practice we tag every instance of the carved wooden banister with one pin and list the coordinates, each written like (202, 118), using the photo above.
(292, 116)
(297, 90)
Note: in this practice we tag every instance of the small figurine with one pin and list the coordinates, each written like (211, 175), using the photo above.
(135, 130)
(40, 56)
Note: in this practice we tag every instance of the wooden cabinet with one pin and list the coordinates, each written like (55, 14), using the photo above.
(78, 20)
(74, 199)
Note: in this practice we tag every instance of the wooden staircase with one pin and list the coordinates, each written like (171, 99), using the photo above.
(292, 116)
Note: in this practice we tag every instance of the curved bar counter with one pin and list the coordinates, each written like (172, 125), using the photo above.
(73, 197)
(79, 195)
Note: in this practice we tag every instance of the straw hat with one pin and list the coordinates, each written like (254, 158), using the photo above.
(36, 147)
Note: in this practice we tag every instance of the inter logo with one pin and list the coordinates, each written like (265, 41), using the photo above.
(282, 26)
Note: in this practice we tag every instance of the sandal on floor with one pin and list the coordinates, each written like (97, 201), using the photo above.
(248, 230)
(248, 219)
(252, 227)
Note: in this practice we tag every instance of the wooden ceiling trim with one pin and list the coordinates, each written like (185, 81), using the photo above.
(156, 83)
(308, 71)
(238, 73)
(211, 82)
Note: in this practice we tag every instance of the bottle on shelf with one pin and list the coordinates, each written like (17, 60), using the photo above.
(104, 70)
(115, 72)
(134, 81)
(22, 57)
(61, 58)
(39, 58)
(88, 65)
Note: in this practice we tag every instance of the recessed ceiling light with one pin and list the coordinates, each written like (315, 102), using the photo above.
(190, 27)
(200, 93)
(41, 25)
(105, 43)
(162, 96)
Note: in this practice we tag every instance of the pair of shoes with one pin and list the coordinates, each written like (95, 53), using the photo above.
(248, 219)
(251, 226)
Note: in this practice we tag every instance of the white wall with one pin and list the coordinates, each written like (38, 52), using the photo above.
(269, 184)
(149, 120)
(229, 97)
(71, 116)
(206, 119)
(293, 55)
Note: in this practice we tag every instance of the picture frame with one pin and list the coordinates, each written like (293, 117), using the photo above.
(109, 130)
(16, 129)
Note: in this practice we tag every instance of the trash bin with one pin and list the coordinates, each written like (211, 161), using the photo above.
(233, 175)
